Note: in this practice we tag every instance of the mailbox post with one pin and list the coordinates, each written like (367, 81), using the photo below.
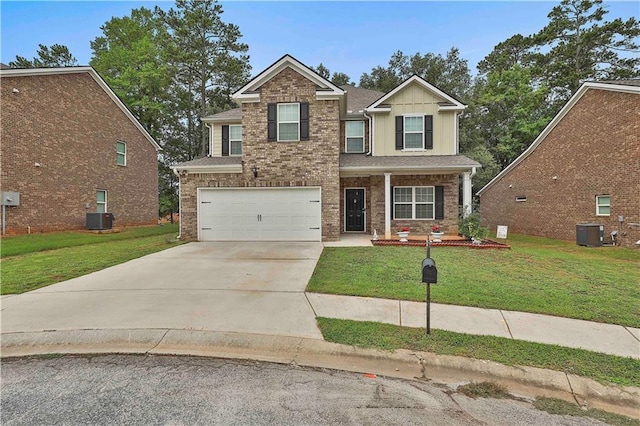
(429, 276)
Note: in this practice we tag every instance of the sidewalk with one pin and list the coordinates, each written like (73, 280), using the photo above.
(593, 336)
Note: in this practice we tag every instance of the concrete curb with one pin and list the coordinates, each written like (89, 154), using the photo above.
(524, 381)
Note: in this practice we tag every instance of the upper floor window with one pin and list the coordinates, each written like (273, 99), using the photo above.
(121, 153)
(354, 135)
(603, 205)
(101, 201)
(414, 131)
(231, 140)
(235, 140)
(288, 122)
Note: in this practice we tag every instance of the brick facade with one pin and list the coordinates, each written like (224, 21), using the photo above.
(593, 150)
(375, 208)
(281, 164)
(59, 135)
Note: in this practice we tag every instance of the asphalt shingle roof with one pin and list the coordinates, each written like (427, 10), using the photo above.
(431, 161)
(232, 114)
(358, 98)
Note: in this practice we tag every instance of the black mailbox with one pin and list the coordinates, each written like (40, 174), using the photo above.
(429, 271)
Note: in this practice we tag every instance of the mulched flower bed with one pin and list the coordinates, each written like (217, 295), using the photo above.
(417, 243)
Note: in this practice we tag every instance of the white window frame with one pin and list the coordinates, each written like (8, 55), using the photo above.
(599, 204)
(414, 203)
(121, 153)
(278, 121)
(99, 203)
(347, 137)
(231, 141)
(413, 132)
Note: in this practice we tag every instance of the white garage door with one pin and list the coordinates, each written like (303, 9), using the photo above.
(264, 214)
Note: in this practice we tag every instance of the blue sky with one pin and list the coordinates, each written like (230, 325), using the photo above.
(352, 37)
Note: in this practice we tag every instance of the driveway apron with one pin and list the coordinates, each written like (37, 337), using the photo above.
(237, 287)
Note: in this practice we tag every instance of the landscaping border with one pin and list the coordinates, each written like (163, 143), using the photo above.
(485, 244)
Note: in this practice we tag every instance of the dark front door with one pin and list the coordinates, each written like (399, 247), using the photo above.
(354, 209)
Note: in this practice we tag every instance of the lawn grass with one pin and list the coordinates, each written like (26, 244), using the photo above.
(601, 367)
(537, 275)
(31, 243)
(26, 272)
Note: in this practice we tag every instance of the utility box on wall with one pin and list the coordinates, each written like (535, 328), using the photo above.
(589, 234)
(10, 198)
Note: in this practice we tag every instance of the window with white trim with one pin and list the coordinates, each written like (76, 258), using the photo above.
(413, 132)
(101, 201)
(235, 140)
(289, 122)
(121, 153)
(354, 136)
(413, 202)
(603, 205)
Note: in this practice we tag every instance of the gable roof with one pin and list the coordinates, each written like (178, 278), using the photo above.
(249, 93)
(450, 104)
(33, 72)
(621, 86)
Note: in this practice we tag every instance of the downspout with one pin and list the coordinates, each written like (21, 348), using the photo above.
(368, 117)
(179, 203)
(210, 138)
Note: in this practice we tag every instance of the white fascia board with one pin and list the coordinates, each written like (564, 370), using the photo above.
(246, 97)
(378, 109)
(226, 168)
(452, 107)
(559, 116)
(96, 77)
(287, 61)
(425, 84)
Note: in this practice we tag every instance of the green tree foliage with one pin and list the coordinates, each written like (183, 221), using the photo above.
(512, 112)
(449, 73)
(130, 57)
(48, 57)
(580, 45)
(209, 62)
(338, 78)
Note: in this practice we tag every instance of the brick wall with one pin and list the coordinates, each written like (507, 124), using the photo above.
(374, 186)
(282, 164)
(593, 150)
(69, 126)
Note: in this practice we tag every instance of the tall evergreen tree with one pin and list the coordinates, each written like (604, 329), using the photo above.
(209, 60)
(580, 45)
(55, 56)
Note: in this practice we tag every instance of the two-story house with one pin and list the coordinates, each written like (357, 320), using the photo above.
(71, 147)
(305, 160)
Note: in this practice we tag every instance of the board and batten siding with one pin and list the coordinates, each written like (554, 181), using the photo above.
(414, 99)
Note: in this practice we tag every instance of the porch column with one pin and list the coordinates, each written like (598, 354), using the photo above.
(466, 194)
(387, 206)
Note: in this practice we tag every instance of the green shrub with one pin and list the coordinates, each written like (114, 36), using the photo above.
(470, 227)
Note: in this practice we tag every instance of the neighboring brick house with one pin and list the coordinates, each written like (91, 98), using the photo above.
(69, 147)
(583, 168)
(303, 159)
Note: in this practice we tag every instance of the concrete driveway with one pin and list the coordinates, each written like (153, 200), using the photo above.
(241, 287)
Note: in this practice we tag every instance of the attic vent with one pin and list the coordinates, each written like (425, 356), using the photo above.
(521, 198)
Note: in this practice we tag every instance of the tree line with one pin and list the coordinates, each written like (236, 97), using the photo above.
(172, 68)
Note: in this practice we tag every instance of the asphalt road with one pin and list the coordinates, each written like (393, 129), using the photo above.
(141, 390)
